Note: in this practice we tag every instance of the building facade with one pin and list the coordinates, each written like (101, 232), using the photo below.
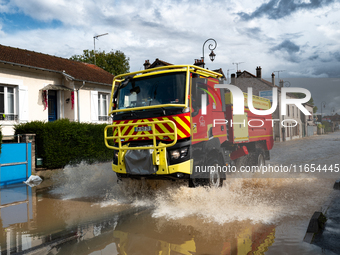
(286, 127)
(36, 86)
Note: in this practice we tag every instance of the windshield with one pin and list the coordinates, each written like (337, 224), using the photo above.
(153, 90)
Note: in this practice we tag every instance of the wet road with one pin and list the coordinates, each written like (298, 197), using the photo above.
(82, 210)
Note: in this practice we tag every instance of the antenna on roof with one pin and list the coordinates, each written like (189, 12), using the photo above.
(278, 74)
(237, 65)
(94, 44)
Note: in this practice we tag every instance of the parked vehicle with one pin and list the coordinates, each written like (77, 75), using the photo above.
(172, 123)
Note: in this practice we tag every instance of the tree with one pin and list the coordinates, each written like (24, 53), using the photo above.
(301, 95)
(112, 62)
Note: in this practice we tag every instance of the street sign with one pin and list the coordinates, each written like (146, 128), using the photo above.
(267, 94)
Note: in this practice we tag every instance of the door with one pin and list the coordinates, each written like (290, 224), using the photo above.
(52, 105)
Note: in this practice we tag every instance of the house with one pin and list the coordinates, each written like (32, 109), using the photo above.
(287, 127)
(37, 86)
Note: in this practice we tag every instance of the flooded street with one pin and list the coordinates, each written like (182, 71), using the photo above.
(82, 210)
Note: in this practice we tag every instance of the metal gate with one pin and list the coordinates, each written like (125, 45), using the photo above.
(15, 163)
(310, 130)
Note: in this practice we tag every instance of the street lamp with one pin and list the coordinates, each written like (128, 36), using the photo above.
(332, 110)
(323, 104)
(211, 47)
(94, 44)
(286, 84)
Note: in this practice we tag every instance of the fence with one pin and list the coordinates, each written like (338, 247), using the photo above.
(16, 161)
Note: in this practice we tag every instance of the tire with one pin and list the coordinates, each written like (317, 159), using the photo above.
(257, 158)
(213, 179)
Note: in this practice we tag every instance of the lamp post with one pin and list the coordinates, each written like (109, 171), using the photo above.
(332, 110)
(211, 47)
(286, 84)
(323, 104)
(94, 45)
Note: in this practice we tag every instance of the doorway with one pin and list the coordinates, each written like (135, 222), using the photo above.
(52, 105)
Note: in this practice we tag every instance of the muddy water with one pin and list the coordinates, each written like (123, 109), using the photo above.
(82, 210)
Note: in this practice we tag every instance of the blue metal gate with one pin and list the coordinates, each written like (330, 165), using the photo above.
(15, 163)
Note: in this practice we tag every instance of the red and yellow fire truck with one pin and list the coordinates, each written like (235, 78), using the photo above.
(162, 128)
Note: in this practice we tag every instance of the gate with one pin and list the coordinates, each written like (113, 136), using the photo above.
(310, 130)
(15, 162)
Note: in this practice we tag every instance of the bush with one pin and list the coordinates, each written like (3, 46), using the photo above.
(327, 126)
(62, 142)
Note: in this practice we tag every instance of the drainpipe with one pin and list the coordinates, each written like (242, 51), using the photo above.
(78, 108)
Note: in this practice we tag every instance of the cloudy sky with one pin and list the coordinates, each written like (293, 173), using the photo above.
(299, 38)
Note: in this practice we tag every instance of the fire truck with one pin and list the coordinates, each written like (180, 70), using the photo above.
(172, 122)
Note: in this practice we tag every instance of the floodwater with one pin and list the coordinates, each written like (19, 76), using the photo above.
(82, 210)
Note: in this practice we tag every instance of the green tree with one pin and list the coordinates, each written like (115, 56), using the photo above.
(112, 62)
(301, 95)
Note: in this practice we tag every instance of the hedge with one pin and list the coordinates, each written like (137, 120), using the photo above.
(62, 142)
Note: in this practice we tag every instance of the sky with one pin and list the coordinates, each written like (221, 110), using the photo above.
(292, 38)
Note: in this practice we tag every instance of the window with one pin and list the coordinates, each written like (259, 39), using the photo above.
(7, 103)
(288, 110)
(103, 106)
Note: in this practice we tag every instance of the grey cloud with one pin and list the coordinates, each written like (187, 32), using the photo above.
(277, 9)
(337, 56)
(287, 46)
(288, 50)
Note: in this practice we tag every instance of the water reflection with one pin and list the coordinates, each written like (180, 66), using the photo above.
(17, 211)
(83, 211)
(33, 220)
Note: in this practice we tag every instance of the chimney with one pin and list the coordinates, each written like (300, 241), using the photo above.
(273, 79)
(258, 72)
(199, 62)
(232, 79)
(146, 64)
(238, 73)
(281, 83)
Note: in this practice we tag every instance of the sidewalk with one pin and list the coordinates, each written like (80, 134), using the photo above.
(329, 238)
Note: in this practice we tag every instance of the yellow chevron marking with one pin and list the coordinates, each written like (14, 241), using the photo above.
(164, 129)
(182, 124)
(125, 128)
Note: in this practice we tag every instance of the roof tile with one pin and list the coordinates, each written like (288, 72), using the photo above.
(79, 70)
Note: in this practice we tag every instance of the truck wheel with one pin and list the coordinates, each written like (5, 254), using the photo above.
(257, 158)
(216, 177)
(212, 179)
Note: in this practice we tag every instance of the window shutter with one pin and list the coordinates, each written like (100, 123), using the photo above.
(94, 105)
(23, 104)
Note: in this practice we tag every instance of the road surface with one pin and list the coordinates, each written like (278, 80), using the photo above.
(81, 210)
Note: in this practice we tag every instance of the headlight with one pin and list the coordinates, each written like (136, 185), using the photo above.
(175, 154)
(184, 152)
(179, 153)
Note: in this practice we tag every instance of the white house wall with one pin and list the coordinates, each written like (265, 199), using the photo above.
(32, 81)
(29, 106)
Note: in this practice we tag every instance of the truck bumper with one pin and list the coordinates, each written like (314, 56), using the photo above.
(177, 171)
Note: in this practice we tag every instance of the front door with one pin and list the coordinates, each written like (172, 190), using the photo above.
(52, 105)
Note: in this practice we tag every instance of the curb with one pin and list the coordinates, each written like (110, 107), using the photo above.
(318, 220)
(316, 224)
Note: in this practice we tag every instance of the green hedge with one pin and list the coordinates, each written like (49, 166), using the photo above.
(63, 142)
